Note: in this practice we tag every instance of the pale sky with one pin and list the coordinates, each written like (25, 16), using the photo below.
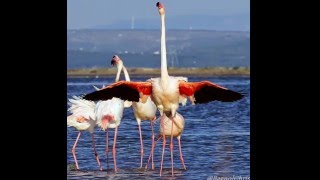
(91, 13)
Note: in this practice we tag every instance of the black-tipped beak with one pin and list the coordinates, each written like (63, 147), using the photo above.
(113, 62)
(159, 5)
(115, 59)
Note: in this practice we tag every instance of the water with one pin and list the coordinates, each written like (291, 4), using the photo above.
(215, 141)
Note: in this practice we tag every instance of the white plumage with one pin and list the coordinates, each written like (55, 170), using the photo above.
(176, 127)
(72, 121)
(82, 118)
(81, 108)
(112, 108)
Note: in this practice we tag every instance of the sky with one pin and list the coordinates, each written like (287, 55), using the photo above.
(92, 13)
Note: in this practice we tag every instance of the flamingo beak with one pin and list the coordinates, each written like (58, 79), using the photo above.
(159, 5)
(115, 59)
(113, 62)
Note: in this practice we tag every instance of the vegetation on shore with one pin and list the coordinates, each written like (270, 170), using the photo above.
(208, 71)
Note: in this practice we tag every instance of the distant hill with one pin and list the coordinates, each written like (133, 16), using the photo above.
(141, 48)
(235, 22)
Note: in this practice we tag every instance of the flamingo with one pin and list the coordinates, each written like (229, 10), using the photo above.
(108, 114)
(175, 128)
(82, 118)
(166, 91)
(142, 111)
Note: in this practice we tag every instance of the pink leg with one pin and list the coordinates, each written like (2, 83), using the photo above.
(151, 153)
(164, 143)
(181, 158)
(152, 148)
(95, 152)
(107, 147)
(152, 145)
(141, 146)
(171, 146)
(114, 149)
(74, 150)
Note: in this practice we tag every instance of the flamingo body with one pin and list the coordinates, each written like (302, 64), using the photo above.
(174, 129)
(166, 94)
(144, 111)
(109, 113)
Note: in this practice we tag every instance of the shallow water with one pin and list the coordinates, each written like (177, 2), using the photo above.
(215, 141)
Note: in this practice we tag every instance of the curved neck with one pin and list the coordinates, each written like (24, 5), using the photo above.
(164, 70)
(126, 74)
(119, 68)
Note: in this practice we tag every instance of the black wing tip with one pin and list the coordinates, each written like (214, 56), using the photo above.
(235, 96)
(227, 96)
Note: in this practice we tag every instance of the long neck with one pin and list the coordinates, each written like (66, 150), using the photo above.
(164, 70)
(126, 74)
(119, 67)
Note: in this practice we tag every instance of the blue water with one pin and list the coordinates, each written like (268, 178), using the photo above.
(215, 141)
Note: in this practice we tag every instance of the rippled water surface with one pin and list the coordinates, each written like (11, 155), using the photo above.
(215, 141)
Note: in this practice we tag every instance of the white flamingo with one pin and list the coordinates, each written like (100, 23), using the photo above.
(166, 91)
(108, 114)
(174, 128)
(142, 111)
(82, 118)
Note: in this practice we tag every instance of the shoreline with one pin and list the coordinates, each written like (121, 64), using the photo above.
(155, 72)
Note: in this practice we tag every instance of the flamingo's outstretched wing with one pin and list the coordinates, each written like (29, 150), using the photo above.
(124, 90)
(206, 91)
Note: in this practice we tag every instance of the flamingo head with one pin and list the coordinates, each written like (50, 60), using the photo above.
(160, 8)
(116, 60)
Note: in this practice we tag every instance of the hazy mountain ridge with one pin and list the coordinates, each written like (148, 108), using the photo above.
(235, 22)
(141, 48)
